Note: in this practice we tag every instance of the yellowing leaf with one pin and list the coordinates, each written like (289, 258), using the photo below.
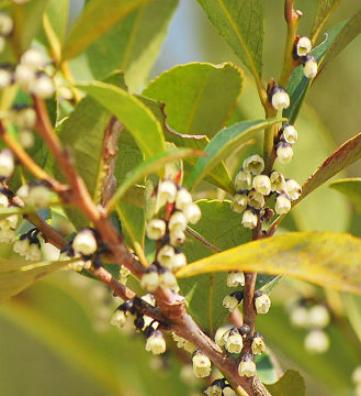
(328, 259)
(17, 275)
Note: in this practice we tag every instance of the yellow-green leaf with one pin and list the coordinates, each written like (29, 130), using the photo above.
(291, 383)
(324, 11)
(17, 275)
(97, 18)
(328, 259)
(130, 111)
(351, 188)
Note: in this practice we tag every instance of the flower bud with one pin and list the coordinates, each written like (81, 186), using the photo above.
(201, 365)
(284, 153)
(165, 256)
(33, 58)
(303, 46)
(192, 213)
(262, 184)
(317, 341)
(231, 301)
(216, 388)
(7, 163)
(24, 76)
(219, 337)
(235, 279)
(258, 346)
(256, 200)
(4, 201)
(179, 260)
(150, 280)
(24, 118)
(177, 222)
(278, 183)
(239, 203)
(177, 238)
(280, 99)
(183, 199)
(254, 164)
(249, 219)
(247, 368)
(156, 343)
(293, 189)
(299, 316)
(33, 253)
(6, 78)
(168, 280)
(21, 246)
(43, 86)
(119, 319)
(26, 139)
(85, 243)
(156, 229)
(262, 304)
(39, 196)
(243, 181)
(233, 341)
(290, 134)
(283, 205)
(167, 191)
(319, 317)
(6, 24)
(310, 67)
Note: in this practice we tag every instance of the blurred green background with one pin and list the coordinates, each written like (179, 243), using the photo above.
(55, 338)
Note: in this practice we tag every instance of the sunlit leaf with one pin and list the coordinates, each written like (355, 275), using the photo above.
(134, 115)
(241, 25)
(133, 43)
(96, 19)
(222, 145)
(351, 188)
(328, 259)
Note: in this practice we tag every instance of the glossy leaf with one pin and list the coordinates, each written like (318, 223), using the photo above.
(198, 97)
(328, 259)
(132, 113)
(348, 33)
(152, 165)
(323, 13)
(17, 275)
(223, 144)
(351, 188)
(27, 21)
(95, 20)
(291, 383)
(220, 226)
(240, 23)
(133, 43)
(344, 156)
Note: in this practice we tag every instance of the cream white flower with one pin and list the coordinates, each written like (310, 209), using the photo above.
(119, 319)
(34, 58)
(6, 24)
(293, 189)
(284, 153)
(283, 205)
(280, 99)
(317, 341)
(167, 191)
(168, 280)
(150, 281)
(156, 343)
(165, 256)
(202, 366)
(179, 260)
(7, 163)
(258, 346)
(192, 213)
(300, 317)
(183, 199)
(290, 134)
(156, 229)
(26, 139)
(177, 238)
(310, 67)
(6, 78)
(243, 180)
(39, 196)
(262, 184)
(278, 183)
(319, 316)
(256, 200)
(219, 337)
(303, 46)
(233, 341)
(177, 222)
(262, 304)
(247, 368)
(43, 86)
(85, 243)
(231, 302)
(239, 203)
(249, 219)
(235, 279)
(24, 76)
(254, 164)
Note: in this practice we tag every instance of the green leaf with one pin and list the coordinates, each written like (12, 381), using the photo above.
(324, 11)
(223, 144)
(241, 25)
(95, 20)
(132, 44)
(331, 260)
(17, 275)
(133, 223)
(352, 306)
(198, 97)
(351, 188)
(349, 32)
(291, 383)
(147, 167)
(131, 112)
(344, 156)
(58, 14)
(27, 21)
(220, 226)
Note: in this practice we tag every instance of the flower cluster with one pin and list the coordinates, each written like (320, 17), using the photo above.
(314, 318)
(302, 53)
(168, 230)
